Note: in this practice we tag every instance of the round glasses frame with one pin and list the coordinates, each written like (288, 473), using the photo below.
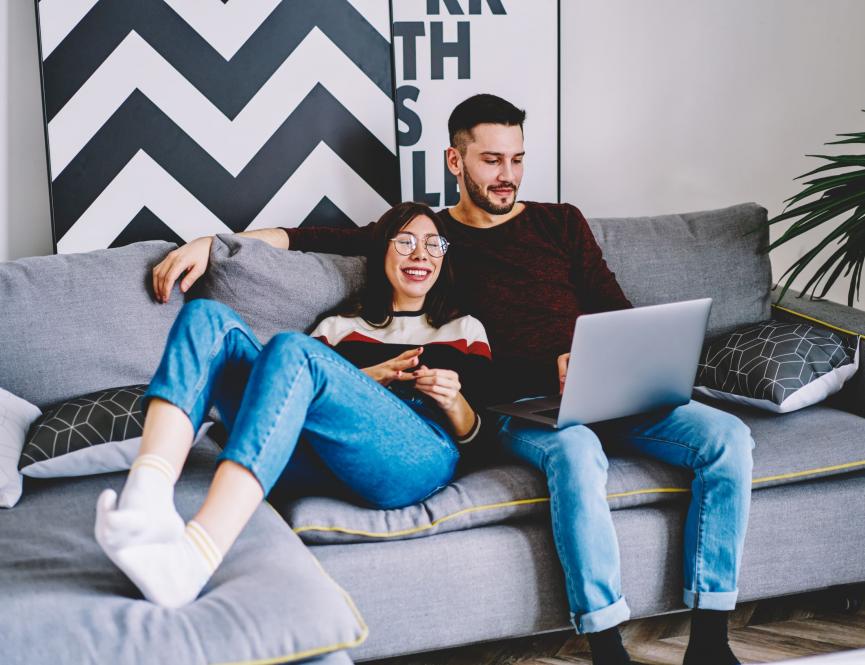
(405, 243)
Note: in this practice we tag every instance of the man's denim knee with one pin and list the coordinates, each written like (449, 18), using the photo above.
(731, 444)
(578, 455)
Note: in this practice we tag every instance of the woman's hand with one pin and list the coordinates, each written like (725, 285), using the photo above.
(443, 385)
(394, 369)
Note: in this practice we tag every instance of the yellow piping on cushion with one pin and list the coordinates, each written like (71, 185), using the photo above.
(504, 504)
(822, 323)
(799, 474)
(464, 511)
(657, 490)
(426, 527)
(318, 651)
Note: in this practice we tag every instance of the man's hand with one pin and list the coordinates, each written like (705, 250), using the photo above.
(562, 362)
(395, 369)
(443, 385)
(191, 258)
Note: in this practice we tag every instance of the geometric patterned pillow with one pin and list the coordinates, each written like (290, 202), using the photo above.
(776, 366)
(96, 433)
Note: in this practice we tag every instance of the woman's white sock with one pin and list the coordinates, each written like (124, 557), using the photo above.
(145, 511)
(170, 573)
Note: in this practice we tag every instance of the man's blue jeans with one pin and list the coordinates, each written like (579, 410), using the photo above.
(388, 452)
(715, 445)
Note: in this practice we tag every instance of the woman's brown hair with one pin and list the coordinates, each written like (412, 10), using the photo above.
(375, 302)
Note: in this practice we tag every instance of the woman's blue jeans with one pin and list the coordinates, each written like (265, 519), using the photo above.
(388, 452)
(714, 444)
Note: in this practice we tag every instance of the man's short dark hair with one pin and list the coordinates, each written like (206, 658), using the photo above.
(478, 110)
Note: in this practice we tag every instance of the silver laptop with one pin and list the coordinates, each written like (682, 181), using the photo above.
(623, 363)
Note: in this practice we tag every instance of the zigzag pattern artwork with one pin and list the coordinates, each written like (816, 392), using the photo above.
(173, 119)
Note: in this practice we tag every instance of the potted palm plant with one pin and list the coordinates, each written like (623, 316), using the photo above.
(840, 193)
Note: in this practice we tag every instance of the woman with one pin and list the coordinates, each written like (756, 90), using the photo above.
(388, 432)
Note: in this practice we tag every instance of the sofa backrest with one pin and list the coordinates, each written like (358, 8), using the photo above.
(715, 253)
(76, 323)
(73, 324)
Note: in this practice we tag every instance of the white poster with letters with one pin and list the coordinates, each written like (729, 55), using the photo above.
(448, 50)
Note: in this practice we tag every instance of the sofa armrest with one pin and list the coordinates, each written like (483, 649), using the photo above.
(847, 321)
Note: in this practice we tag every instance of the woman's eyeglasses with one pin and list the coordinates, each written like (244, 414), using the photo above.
(405, 243)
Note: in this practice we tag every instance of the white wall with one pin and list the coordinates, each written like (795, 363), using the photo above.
(680, 105)
(668, 106)
(25, 219)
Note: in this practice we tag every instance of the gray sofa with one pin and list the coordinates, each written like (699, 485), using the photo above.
(475, 562)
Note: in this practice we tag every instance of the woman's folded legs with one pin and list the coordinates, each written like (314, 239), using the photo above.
(380, 448)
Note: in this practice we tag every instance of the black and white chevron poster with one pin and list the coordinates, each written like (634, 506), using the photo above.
(174, 119)
(447, 50)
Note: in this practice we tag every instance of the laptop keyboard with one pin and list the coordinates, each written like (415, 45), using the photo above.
(549, 413)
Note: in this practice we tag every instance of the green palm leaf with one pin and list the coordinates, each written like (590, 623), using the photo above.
(837, 195)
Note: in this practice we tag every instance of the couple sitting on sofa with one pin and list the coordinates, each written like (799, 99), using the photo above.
(391, 433)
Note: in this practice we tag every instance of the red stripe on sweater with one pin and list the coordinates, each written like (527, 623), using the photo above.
(358, 337)
(476, 348)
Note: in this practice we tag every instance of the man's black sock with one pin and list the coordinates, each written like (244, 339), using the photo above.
(708, 643)
(607, 648)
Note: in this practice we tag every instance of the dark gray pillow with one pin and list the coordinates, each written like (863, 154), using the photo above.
(776, 366)
(714, 253)
(75, 323)
(275, 290)
(95, 433)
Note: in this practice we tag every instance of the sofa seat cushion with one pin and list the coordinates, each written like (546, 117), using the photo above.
(817, 441)
(64, 602)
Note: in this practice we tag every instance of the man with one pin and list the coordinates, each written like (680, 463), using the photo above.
(528, 270)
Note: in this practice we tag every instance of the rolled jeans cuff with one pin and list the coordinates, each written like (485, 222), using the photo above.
(606, 617)
(711, 600)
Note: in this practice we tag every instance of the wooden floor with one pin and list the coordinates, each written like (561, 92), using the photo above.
(761, 632)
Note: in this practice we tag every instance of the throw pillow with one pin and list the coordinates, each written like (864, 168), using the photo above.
(75, 323)
(681, 257)
(776, 366)
(95, 433)
(274, 290)
(16, 416)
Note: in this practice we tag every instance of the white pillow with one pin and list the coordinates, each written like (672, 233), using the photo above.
(16, 416)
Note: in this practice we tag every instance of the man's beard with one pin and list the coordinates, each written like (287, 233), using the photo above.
(484, 203)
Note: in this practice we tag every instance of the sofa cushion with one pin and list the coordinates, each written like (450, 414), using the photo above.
(814, 442)
(681, 257)
(274, 290)
(64, 602)
(76, 323)
(777, 366)
(95, 433)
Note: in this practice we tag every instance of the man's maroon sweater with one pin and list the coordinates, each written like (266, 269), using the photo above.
(527, 280)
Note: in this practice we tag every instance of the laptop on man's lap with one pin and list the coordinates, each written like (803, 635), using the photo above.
(624, 363)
